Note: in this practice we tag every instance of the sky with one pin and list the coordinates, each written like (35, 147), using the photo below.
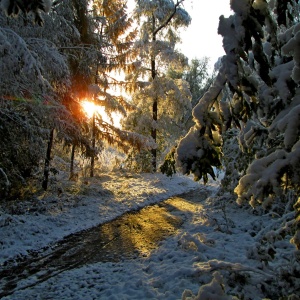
(201, 37)
(204, 243)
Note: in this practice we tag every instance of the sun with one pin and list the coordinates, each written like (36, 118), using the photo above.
(90, 108)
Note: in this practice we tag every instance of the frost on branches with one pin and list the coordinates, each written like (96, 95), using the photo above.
(261, 70)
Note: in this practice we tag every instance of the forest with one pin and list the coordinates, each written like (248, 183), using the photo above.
(93, 88)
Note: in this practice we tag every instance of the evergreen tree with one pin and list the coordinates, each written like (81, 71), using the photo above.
(261, 69)
(107, 36)
(157, 97)
(33, 75)
(46, 75)
(197, 76)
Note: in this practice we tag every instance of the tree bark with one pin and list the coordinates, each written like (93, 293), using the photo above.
(154, 134)
(93, 146)
(154, 105)
(47, 160)
(72, 162)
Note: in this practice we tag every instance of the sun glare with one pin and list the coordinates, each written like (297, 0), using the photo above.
(90, 108)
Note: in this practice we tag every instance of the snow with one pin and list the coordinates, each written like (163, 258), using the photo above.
(107, 197)
(292, 47)
(215, 254)
(222, 250)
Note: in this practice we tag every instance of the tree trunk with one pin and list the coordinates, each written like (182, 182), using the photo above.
(72, 162)
(154, 106)
(47, 161)
(93, 146)
(154, 134)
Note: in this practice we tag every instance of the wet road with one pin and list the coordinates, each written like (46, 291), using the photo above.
(131, 235)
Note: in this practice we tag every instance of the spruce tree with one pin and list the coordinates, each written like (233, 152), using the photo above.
(261, 70)
(156, 97)
(46, 72)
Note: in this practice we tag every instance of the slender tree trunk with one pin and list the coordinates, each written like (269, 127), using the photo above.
(154, 134)
(47, 161)
(154, 105)
(93, 146)
(72, 162)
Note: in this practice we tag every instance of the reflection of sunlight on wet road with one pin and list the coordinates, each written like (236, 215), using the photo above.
(182, 204)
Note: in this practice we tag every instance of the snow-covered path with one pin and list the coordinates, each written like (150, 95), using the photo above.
(50, 216)
(216, 235)
(135, 234)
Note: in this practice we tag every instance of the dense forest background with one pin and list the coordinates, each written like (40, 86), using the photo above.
(243, 119)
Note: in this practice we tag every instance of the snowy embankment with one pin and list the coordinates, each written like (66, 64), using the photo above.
(227, 250)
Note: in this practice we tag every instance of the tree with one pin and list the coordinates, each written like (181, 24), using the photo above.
(197, 76)
(261, 69)
(33, 75)
(156, 96)
(44, 77)
(105, 31)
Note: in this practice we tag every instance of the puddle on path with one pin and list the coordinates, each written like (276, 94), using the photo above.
(133, 234)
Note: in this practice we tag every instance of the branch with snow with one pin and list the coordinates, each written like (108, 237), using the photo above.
(14, 7)
(29, 66)
(264, 177)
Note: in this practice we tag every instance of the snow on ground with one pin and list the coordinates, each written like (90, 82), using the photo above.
(217, 248)
(71, 207)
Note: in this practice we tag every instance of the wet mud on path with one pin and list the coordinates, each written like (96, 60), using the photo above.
(131, 235)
